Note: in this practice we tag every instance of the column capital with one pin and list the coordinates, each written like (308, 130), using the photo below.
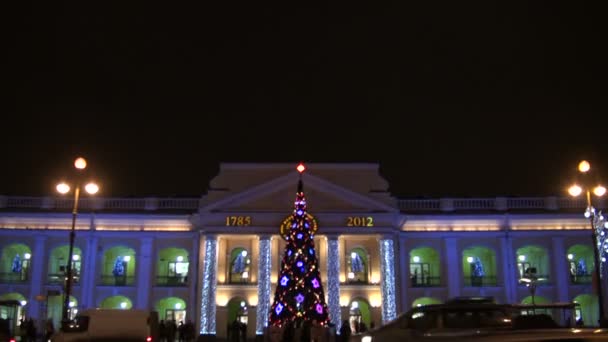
(208, 236)
(387, 236)
(332, 236)
(265, 236)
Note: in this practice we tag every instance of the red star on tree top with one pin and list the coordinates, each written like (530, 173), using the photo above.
(301, 167)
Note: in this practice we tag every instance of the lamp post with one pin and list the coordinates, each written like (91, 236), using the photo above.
(80, 164)
(584, 167)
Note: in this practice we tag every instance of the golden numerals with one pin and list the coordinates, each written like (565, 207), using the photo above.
(359, 221)
(238, 221)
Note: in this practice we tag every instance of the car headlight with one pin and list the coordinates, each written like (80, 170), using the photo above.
(366, 339)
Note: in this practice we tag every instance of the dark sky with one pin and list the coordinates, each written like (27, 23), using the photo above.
(452, 99)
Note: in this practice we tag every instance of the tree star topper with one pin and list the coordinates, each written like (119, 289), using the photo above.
(301, 168)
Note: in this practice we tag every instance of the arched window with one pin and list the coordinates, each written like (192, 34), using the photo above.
(240, 266)
(479, 266)
(580, 264)
(119, 266)
(172, 267)
(357, 266)
(15, 263)
(424, 267)
(532, 264)
(58, 265)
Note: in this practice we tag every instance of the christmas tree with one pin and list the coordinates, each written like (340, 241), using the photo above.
(299, 294)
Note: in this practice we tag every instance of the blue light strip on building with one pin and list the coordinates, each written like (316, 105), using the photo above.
(387, 269)
(264, 266)
(209, 287)
(333, 281)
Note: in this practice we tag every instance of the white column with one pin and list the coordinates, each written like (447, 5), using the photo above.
(559, 274)
(454, 267)
(209, 284)
(264, 268)
(404, 275)
(89, 274)
(37, 276)
(144, 274)
(333, 280)
(387, 271)
(193, 258)
(508, 274)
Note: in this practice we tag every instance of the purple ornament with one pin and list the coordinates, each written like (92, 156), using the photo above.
(299, 298)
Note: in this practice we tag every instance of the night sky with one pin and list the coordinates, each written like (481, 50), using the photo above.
(453, 99)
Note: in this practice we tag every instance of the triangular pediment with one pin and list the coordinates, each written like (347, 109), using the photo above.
(278, 194)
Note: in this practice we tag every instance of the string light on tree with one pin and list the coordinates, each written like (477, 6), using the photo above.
(299, 295)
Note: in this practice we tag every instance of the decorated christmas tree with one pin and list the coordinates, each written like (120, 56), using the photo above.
(299, 295)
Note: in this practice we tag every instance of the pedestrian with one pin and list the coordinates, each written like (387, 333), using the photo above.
(345, 331)
(49, 329)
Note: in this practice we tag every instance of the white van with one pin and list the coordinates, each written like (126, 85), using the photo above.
(111, 325)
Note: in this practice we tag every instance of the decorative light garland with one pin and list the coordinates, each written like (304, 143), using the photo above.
(264, 265)
(333, 281)
(387, 269)
(209, 287)
(600, 226)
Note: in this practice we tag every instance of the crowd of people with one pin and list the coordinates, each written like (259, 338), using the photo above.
(237, 331)
(312, 331)
(169, 331)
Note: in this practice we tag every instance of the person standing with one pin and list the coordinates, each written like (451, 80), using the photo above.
(345, 331)
(49, 329)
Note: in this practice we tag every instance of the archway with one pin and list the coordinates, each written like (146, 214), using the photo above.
(588, 314)
(12, 311)
(116, 302)
(172, 309)
(359, 315)
(54, 309)
(422, 301)
(536, 300)
(238, 318)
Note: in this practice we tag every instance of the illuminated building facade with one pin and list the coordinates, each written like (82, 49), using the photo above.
(216, 259)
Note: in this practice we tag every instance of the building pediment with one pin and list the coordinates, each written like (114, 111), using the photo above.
(277, 193)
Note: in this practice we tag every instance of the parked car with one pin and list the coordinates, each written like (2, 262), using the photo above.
(480, 320)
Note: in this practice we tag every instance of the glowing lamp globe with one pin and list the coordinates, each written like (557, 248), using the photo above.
(92, 188)
(301, 167)
(80, 163)
(599, 191)
(63, 188)
(584, 166)
(575, 190)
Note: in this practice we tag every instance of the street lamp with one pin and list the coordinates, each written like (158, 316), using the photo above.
(80, 164)
(596, 220)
